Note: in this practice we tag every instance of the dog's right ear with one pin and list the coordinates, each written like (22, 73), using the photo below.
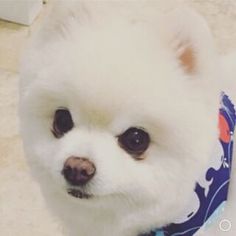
(188, 37)
(57, 18)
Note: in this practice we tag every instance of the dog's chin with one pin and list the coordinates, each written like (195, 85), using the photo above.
(87, 195)
(77, 193)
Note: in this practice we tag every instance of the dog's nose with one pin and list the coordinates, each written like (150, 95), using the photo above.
(78, 171)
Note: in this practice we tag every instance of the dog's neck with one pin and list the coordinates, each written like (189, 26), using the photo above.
(212, 189)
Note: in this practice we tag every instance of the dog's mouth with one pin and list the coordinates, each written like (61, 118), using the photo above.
(78, 193)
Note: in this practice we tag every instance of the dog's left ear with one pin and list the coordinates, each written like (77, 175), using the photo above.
(187, 35)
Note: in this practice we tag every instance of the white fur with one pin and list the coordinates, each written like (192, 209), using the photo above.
(115, 65)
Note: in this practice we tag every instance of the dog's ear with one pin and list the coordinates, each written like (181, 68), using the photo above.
(189, 38)
(58, 17)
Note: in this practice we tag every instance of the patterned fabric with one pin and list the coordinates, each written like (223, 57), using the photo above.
(211, 190)
(148, 234)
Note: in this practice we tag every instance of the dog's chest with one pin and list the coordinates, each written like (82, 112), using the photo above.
(95, 224)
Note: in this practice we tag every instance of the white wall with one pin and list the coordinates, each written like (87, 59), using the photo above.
(20, 11)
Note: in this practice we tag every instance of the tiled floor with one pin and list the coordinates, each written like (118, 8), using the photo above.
(12, 40)
(22, 210)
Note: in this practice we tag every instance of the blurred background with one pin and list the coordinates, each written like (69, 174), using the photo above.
(22, 209)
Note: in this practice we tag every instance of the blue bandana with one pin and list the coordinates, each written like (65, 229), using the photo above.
(211, 191)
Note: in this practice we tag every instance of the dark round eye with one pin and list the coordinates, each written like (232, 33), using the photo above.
(62, 122)
(135, 141)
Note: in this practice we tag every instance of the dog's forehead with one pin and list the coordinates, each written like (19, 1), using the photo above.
(117, 66)
(103, 100)
(107, 71)
(105, 83)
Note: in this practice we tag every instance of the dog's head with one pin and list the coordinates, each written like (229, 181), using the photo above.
(117, 113)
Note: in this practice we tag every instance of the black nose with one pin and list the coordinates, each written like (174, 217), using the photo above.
(78, 171)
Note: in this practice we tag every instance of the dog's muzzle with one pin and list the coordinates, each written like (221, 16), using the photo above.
(78, 172)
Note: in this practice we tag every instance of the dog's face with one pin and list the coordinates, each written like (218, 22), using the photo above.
(113, 116)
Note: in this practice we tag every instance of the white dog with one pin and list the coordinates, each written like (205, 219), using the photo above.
(119, 110)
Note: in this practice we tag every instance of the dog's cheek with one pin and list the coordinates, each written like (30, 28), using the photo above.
(41, 149)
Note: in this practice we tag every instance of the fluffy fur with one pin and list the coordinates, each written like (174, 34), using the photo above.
(117, 65)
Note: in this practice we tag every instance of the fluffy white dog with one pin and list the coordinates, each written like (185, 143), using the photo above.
(119, 109)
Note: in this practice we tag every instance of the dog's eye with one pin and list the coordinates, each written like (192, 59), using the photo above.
(135, 141)
(62, 122)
